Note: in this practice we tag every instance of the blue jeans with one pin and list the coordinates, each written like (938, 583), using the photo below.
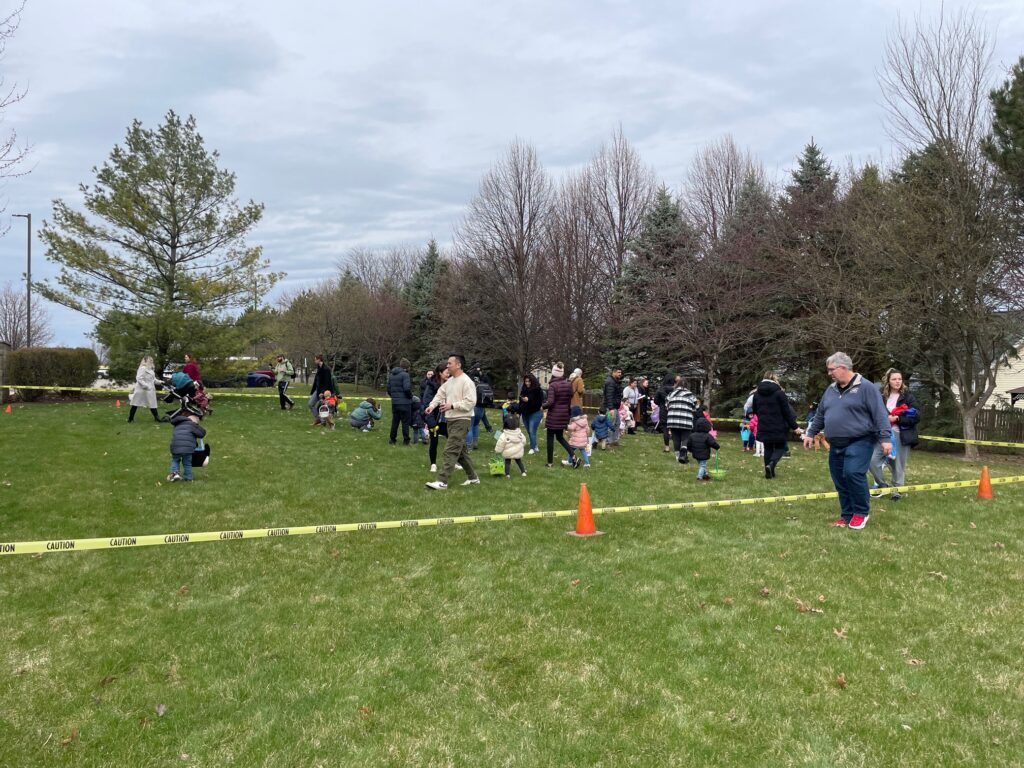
(614, 427)
(848, 467)
(532, 425)
(185, 462)
(474, 430)
(702, 469)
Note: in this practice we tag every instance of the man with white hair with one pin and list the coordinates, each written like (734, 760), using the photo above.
(853, 416)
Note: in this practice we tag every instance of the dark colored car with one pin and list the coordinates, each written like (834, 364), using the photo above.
(260, 379)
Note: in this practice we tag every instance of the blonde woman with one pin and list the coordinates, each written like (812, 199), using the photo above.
(144, 393)
(578, 387)
(903, 418)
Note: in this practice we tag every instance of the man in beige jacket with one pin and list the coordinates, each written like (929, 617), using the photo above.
(456, 399)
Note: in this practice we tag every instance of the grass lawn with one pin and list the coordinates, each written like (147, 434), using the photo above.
(736, 636)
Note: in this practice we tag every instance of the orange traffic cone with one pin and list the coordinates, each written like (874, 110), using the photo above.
(117, 403)
(585, 516)
(985, 485)
(7, 409)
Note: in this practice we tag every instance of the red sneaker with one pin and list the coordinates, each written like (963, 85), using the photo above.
(840, 523)
(858, 521)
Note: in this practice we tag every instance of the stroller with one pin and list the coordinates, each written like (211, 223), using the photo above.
(187, 395)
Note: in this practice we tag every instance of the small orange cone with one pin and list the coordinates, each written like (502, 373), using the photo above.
(985, 486)
(585, 516)
(7, 409)
(117, 403)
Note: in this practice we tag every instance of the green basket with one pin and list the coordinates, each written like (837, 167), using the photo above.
(717, 473)
(497, 467)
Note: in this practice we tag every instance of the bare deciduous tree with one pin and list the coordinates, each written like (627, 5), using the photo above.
(388, 268)
(11, 154)
(935, 81)
(713, 185)
(621, 190)
(13, 314)
(504, 235)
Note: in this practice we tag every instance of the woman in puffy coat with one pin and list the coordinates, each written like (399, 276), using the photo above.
(144, 394)
(775, 420)
(365, 414)
(557, 407)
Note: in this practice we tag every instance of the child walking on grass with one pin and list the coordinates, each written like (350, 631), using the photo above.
(183, 443)
(579, 434)
(511, 445)
(602, 426)
(699, 444)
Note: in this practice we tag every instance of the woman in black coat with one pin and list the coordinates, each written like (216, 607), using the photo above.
(775, 420)
(531, 400)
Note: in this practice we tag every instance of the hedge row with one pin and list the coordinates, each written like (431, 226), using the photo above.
(51, 366)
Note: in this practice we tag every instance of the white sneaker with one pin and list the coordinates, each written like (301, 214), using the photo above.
(566, 463)
(530, 452)
(524, 474)
(433, 468)
(458, 466)
(437, 485)
(877, 492)
(474, 481)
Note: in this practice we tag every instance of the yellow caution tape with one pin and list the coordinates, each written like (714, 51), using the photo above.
(961, 441)
(149, 540)
(215, 392)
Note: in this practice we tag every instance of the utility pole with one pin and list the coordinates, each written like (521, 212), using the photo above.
(28, 279)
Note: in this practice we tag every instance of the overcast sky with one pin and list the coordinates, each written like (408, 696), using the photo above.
(370, 124)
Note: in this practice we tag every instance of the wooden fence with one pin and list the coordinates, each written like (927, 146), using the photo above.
(1001, 425)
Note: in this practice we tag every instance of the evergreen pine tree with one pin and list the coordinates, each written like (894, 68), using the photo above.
(1005, 146)
(420, 295)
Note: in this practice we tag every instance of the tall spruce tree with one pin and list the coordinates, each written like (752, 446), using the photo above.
(159, 255)
(420, 295)
(1005, 145)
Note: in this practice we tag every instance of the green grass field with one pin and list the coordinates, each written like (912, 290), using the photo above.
(752, 635)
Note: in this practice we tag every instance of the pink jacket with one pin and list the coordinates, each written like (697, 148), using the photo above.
(579, 432)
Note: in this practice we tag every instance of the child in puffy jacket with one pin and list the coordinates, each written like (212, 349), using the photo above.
(511, 445)
(699, 444)
(579, 434)
(419, 432)
(601, 427)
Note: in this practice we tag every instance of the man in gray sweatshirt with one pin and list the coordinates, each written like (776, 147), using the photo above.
(852, 415)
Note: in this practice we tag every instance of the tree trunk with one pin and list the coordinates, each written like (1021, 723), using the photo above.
(970, 451)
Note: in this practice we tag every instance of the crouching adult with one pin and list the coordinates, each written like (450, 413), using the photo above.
(365, 414)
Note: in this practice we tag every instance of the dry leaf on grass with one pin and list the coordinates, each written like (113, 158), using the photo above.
(575, 582)
(840, 633)
(999, 545)
(729, 600)
(364, 710)
(68, 739)
(821, 598)
(765, 592)
(916, 662)
(183, 589)
(938, 575)
(161, 710)
(107, 680)
(973, 526)
(841, 680)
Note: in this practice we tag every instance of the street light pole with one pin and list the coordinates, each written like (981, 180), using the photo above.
(28, 280)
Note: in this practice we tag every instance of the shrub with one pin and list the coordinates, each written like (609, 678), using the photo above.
(51, 367)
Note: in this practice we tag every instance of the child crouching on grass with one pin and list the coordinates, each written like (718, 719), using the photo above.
(511, 445)
(699, 444)
(579, 434)
(183, 443)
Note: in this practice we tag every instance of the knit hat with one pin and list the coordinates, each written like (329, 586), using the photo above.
(557, 370)
(576, 411)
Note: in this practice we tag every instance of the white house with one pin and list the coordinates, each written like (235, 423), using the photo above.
(1010, 377)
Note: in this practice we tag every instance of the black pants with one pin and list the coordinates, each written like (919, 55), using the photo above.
(679, 438)
(134, 408)
(403, 414)
(282, 390)
(442, 431)
(557, 434)
(519, 463)
(773, 451)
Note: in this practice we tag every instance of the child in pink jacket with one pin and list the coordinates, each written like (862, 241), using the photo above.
(579, 434)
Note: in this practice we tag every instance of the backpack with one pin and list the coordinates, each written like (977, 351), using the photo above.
(290, 369)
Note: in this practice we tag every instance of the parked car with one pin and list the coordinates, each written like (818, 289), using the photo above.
(227, 380)
(263, 378)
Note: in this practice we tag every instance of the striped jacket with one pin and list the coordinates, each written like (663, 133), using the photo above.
(680, 406)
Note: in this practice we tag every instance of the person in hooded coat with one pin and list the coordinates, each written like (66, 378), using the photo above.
(775, 420)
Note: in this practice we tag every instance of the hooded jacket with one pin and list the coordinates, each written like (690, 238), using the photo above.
(363, 413)
(186, 432)
(579, 431)
(511, 444)
(400, 387)
(775, 416)
(680, 406)
(700, 442)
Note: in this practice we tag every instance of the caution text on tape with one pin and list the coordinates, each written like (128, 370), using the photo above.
(149, 540)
